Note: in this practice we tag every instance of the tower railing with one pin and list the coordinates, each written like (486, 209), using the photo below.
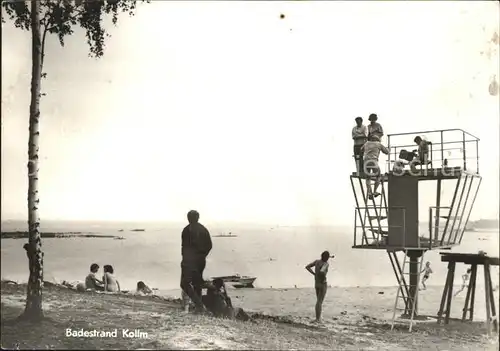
(440, 233)
(448, 148)
(438, 219)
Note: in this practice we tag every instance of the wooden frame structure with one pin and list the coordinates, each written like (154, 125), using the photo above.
(473, 260)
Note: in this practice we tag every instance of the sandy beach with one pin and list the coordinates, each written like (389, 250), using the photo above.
(378, 300)
(355, 318)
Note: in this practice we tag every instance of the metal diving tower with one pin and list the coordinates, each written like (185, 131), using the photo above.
(394, 221)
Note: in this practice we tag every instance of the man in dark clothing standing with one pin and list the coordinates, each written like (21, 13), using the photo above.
(196, 245)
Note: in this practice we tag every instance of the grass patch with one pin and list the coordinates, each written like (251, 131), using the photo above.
(167, 327)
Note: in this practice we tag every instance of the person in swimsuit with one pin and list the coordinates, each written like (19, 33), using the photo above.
(371, 152)
(91, 281)
(465, 281)
(143, 289)
(427, 272)
(422, 154)
(110, 282)
(320, 271)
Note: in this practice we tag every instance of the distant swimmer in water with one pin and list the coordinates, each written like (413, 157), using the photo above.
(427, 273)
(465, 281)
(110, 282)
(320, 271)
(143, 289)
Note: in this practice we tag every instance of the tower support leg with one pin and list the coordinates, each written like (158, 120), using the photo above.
(438, 214)
(414, 278)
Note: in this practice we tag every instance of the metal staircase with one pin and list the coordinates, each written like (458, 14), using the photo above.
(406, 293)
(371, 213)
(460, 209)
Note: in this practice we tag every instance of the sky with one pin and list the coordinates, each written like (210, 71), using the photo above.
(227, 108)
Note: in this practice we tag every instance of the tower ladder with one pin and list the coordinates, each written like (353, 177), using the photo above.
(370, 212)
(376, 211)
(405, 289)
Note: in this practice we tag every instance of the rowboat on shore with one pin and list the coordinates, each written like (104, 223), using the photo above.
(238, 281)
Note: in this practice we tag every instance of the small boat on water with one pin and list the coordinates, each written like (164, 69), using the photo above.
(224, 235)
(238, 281)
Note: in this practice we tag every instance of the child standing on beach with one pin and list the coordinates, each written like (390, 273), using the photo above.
(320, 270)
(465, 281)
(427, 272)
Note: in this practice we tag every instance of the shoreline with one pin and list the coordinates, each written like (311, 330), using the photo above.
(352, 326)
(170, 291)
(25, 235)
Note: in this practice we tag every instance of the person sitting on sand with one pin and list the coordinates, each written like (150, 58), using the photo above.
(427, 272)
(143, 289)
(465, 281)
(91, 281)
(110, 282)
(219, 303)
(320, 271)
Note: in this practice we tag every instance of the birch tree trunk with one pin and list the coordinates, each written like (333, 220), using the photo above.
(33, 308)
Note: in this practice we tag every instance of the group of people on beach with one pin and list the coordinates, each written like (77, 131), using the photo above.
(320, 282)
(108, 281)
(195, 246)
(427, 271)
(367, 148)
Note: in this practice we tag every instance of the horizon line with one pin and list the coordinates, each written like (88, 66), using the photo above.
(174, 222)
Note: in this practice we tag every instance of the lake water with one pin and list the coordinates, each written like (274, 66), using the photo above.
(276, 256)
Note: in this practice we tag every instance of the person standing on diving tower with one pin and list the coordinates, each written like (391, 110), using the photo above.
(371, 152)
